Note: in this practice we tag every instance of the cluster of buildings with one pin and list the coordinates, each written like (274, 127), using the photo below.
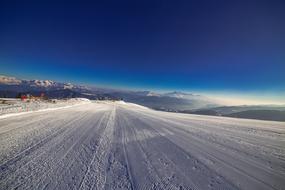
(28, 97)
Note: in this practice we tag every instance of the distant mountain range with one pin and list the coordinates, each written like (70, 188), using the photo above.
(10, 87)
(12, 82)
(173, 101)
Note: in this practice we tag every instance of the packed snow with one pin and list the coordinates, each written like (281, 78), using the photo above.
(117, 145)
(10, 106)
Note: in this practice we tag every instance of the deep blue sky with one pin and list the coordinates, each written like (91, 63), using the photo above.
(184, 45)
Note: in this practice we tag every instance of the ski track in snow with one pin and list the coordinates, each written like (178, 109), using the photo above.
(111, 145)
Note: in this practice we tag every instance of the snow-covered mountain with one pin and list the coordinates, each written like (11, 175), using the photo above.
(146, 93)
(9, 80)
(42, 83)
(5, 80)
(183, 95)
(12, 87)
(176, 94)
(192, 97)
(153, 94)
(37, 84)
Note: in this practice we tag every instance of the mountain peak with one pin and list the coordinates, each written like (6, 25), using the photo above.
(42, 83)
(178, 94)
(9, 80)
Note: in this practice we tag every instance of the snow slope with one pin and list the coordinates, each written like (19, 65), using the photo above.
(123, 146)
(18, 107)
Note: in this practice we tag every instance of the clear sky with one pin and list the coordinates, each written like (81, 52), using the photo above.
(225, 48)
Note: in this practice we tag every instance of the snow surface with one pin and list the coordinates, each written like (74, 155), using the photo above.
(18, 107)
(123, 146)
